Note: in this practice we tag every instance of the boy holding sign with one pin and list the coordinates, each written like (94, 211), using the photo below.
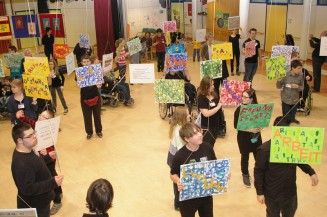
(275, 183)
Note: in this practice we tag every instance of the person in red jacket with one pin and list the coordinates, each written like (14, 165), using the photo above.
(159, 41)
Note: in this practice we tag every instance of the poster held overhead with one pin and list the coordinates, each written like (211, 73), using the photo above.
(276, 67)
(200, 35)
(70, 63)
(107, 60)
(233, 22)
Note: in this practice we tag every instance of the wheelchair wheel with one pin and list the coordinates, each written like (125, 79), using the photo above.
(120, 97)
(163, 109)
(113, 102)
(194, 113)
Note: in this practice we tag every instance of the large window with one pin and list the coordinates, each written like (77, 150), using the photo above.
(297, 2)
(258, 1)
(322, 2)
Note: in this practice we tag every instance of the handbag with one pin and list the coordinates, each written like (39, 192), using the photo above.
(91, 102)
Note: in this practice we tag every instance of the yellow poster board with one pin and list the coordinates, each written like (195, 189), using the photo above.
(222, 51)
(36, 86)
(37, 66)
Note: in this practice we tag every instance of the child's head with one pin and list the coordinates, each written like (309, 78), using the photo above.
(95, 60)
(206, 86)
(296, 66)
(147, 34)
(45, 115)
(159, 32)
(191, 133)
(12, 49)
(180, 117)
(99, 196)
(209, 37)
(52, 65)
(48, 30)
(289, 39)
(16, 86)
(7, 80)
(253, 33)
(27, 52)
(295, 56)
(86, 60)
(120, 41)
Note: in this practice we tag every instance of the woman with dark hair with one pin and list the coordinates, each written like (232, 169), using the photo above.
(248, 140)
(289, 40)
(208, 104)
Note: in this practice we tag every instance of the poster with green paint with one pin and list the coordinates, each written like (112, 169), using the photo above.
(276, 67)
(297, 145)
(211, 68)
(254, 116)
(169, 91)
(2, 72)
(219, 14)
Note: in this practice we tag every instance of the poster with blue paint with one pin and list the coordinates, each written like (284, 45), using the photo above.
(89, 75)
(84, 40)
(26, 26)
(204, 179)
(177, 48)
(176, 62)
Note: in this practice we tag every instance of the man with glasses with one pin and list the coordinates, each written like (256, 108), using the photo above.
(30, 173)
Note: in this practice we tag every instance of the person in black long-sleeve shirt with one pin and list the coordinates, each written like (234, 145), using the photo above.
(275, 183)
(48, 41)
(33, 179)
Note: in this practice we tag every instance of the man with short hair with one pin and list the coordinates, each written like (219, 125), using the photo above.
(48, 41)
(32, 177)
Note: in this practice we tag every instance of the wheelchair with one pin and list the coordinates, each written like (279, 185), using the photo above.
(109, 96)
(308, 104)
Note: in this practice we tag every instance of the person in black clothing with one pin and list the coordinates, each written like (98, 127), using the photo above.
(30, 173)
(234, 38)
(248, 140)
(48, 41)
(80, 52)
(275, 183)
(317, 60)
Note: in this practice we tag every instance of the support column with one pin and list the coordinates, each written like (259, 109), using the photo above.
(194, 17)
(306, 18)
(244, 15)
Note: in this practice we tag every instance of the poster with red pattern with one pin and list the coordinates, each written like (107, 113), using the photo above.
(55, 22)
(60, 51)
(5, 30)
(231, 92)
(169, 26)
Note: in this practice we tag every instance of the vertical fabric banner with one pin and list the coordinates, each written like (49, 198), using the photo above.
(276, 67)
(26, 26)
(211, 68)
(231, 92)
(55, 22)
(5, 30)
(70, 63)
(60, 51)
(222, 51)
(36, 86)
(297, 145)
(169, 91)
(89, 75)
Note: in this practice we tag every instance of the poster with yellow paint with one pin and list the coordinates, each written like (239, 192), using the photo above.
(222, 51)
(4, 28)
(36, 86)
(37, 66)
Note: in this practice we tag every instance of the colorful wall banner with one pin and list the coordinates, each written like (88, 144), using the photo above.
(276, 67)
(169, 26)
(233, 22)
(254, 116)
(134, 46)
(176, 48)
(70, 63)
(250, 48)
(107, 61)
(222, 51)
(141, 73)
(60, 51)
(5, 29)
(37, 66)
(211, 68)
(204, 179)
(25, 26)
(55, 22)
(176, 62)
(169, 91)
(36, 86)
(297, 145)
(84, 41)
(231, 92)
(46, 131)
(89, 75)
(14, 59)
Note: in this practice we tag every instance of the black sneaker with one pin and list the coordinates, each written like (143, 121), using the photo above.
(88, 136)
(100, 135)
(295, 121)
(247, 181)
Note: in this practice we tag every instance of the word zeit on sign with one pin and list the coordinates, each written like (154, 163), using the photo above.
(256, 112)
(298, 145)
(44, 90)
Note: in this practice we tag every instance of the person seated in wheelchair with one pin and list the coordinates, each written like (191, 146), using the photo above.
(190, 89)
(113, 84)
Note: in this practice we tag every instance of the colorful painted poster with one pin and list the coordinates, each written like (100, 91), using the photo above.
(169, 26)
(297, 145)
(211, 68)
(141, 73)
(222, 51)
(134, 46)
(84, 40)
(37, 66)
(5, 30)
(200, 35)
(231, 92)
(60, 51)
(168, 38)
(2, 71)
(176, 48)
(204, 179)
(250, 49)
(47, 133)
(276, 67)
(27, 212)
(89, 75)
(107, 60)
(26, 26)
(233, 22)
(323, 46)
(14, 59)
(176, 62)
(254, 116)
(283, 50)
(55, 22)
(36, 86)
(70, 63)
(169, 91)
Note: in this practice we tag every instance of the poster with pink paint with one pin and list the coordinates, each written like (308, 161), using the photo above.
(284, 50)
(169, 26)
(231, 92)
(250, 48)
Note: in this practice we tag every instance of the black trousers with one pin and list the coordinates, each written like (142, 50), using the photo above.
(286, 206)
(43, 211)
(161, 61)
(245, 162)
(87, 115)
(237, 57)
(203, 205)
(316, 66)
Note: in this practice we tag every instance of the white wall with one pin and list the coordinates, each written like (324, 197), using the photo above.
(257, 19)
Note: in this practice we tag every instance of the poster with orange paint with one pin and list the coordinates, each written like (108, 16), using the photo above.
(36, 86)
(222, 51)
(296, 145)
(37, 66)
(60, 51)
(176, 62)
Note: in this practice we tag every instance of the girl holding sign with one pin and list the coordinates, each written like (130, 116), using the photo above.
(248, 140)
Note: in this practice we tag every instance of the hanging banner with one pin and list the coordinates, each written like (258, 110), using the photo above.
(231, 92)
(36, 86)
(25, 26)
(60, 51)
(55, 22)
(5, 29)
(169, 91)
(222, 51)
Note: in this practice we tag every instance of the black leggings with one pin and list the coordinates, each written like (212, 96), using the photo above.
(245, 162)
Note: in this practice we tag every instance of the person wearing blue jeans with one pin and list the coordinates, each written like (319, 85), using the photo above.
(251, 63)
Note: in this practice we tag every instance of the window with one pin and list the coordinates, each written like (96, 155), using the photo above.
(296, 2)
(258, 1)
(277, 2)
(322, 2)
